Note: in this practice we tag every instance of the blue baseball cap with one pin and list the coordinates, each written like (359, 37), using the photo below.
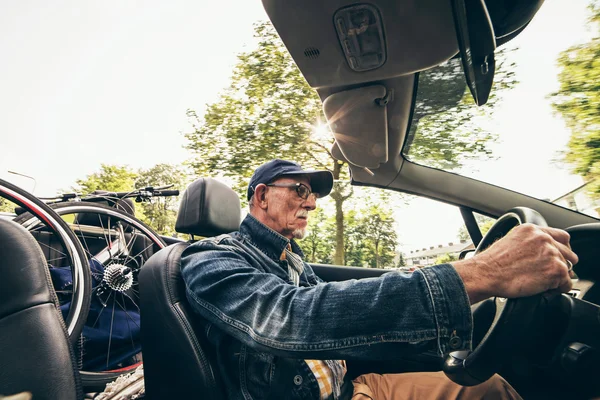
(321, 182)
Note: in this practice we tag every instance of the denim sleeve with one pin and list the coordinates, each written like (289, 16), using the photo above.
(373, 318)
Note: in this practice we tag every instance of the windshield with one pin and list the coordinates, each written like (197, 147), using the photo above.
(538, 134)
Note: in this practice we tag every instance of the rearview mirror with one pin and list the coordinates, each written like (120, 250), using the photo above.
(477, 43)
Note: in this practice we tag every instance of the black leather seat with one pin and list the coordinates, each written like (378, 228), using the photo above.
(35, 353)
(178, 362)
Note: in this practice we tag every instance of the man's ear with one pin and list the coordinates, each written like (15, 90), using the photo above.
(260, 196)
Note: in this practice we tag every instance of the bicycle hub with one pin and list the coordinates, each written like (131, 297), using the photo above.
(118, 277)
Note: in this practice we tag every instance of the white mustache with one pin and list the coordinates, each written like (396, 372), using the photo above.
(302, 213)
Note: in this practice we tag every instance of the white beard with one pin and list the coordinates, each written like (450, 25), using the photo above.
(299, 233)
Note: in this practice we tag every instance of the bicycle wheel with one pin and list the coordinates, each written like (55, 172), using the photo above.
(117, 245)
(64, 256)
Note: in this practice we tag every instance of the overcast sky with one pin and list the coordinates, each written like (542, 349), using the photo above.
(84, 83)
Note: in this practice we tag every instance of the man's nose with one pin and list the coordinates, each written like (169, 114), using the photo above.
(311, 202)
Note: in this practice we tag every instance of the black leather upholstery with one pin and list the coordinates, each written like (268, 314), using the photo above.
(177, 356)
(35, 354)
(177, 361)
(208, 208)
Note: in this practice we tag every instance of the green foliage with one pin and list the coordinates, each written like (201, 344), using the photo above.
(578, 102)
(446, 258)
(484, 223)
(442, 134)
(112, 178)
(268, 111)
(355, 248)
(161, 212)
(401, 261)
(369, 232)
(380, 237)
(6, 206)
(485, 227)
(318, 244)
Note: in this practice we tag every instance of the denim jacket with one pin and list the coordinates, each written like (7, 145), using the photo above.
(263, 327)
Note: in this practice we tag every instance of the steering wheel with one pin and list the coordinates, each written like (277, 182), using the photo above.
(509, 327)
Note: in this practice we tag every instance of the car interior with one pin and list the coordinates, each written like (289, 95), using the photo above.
(368, 83)
(364, 60)
(558, 341)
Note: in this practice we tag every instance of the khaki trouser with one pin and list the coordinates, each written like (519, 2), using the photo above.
(428, 385)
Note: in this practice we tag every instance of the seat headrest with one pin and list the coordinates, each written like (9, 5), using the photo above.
(20, 288)
(208, 208)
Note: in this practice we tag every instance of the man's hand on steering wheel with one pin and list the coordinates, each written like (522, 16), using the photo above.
(530, 259)
(518, 259)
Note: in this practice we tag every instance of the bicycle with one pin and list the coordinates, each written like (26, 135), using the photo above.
(63, 253)
(117, 245)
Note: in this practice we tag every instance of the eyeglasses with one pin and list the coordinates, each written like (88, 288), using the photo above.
(303, 191)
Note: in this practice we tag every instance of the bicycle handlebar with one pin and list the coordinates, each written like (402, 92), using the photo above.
(99, 195)
(167, 193)
(139, 194)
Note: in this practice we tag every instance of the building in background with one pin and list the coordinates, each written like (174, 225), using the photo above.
(424, 257)
(579, 199)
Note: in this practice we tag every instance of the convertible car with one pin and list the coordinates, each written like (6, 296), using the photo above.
(388, 94)
(468, 113)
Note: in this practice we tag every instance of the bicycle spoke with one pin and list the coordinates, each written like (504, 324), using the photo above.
(125, 310)
(143, 250)
(129, 244)
(128, 327)
(135, 291)
(82, 239)
(52, 261)
(123, 244)
(101, 311)
(52, 248)
(107, 235)
(132, 300)
(112, 320)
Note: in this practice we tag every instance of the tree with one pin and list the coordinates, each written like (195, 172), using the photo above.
(318, 243)
(370, 235)
(269, 111)
(112, 178)
(442, 133)
(445, 258)
(355, 248)
(401, 260)
(578, 102)
(380, 236)
(484, 223)
(161, 212)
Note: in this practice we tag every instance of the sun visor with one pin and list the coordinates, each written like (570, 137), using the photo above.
(345, 42)
(358, 120)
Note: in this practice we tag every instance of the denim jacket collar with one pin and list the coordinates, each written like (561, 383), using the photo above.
(266, 239)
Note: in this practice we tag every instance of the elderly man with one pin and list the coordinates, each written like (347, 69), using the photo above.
(281, 333)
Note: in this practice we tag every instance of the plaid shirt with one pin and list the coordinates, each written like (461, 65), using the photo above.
(319, 368)
(323, 376)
